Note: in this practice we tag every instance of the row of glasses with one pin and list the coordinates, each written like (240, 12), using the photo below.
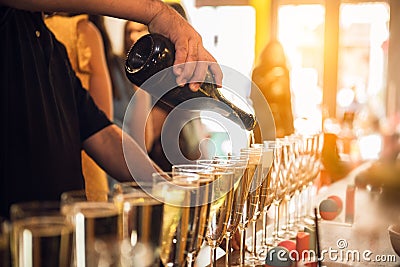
(311, 154)
(181, 199)
(299, 165)
(239, 165)
(222, 181)
(138, 225)
(228, 195)
(278, 175)
(222, 196)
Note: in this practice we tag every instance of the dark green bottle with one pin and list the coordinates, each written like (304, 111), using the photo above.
(151, 56)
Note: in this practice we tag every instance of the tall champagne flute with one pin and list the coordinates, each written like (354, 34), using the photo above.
(270, 166)
(239, 199)
(305, 161)
(314, 168)
(180, 194)
(278, 184)
(141, 224)
(272, 183)
(290, 168)
(266, 198)
(224, 183)
(286, 174)
(202, 211)
(258, 190)
(251, 202)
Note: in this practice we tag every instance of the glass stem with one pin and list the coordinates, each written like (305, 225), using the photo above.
(298, 203)
(264, 227)
(276, 223)
(213, 259)
(242, 245)
(310, 198)
(287, 213)
(227, 250)
(254, 224)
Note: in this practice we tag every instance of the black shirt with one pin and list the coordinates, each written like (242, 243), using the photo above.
(45, 113)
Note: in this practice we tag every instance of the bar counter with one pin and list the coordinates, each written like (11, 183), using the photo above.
(365, 241)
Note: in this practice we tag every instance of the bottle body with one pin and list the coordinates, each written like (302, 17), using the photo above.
(153, 56)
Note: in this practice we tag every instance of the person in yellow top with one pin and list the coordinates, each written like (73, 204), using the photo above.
(86, 53)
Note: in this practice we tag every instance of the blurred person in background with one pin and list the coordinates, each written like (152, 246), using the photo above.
(271, 76)
(85, 50)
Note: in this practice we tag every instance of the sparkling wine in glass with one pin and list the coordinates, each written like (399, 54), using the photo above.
(141, 224)
(252, 169)
(239, 198)
(180, 194)
(202, 211)
(222, 190)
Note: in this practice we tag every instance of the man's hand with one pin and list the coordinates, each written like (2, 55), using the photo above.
(191, 58)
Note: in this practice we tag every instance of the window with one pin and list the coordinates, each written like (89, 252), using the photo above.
(337, 65)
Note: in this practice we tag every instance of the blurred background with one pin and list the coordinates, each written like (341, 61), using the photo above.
(342, 57)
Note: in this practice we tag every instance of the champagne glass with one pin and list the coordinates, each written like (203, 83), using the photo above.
(286, 175)
(41, 235)
(239, 198)
(180, 193)
(97, 229)
(141, 224)
(223, 185)
(269, 165)
(314, 150)
(278, 185)
(254, 156)
(305, 162)
(257, 195)
(290, 169)
(203, 210)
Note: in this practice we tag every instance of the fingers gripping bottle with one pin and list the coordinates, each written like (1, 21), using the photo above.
(151, 56)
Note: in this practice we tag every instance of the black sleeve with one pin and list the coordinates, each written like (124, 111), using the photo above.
(91, 118)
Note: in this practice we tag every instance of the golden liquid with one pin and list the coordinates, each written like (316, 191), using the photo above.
(253, 198)
(180, 225)
(266, 193)
(239, 198)
(198, 232)
(223, 192)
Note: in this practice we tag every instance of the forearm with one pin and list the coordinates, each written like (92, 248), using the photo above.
(142, 11)
(138, 121)
(119, 155)
(158, 16)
